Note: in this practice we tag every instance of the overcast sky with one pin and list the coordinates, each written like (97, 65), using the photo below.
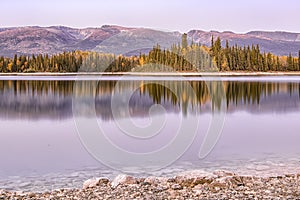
(182, 15)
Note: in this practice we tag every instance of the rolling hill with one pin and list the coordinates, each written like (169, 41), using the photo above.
(129, 41)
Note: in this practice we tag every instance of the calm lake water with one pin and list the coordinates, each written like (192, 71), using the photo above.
(43, 147)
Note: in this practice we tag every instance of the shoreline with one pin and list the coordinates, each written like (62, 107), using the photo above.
(195, 184)
(186, 74)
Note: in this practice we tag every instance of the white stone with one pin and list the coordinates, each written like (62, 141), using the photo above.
(223, 173)
(155, 180)
(19, 193)
(123, 179)
(196, 173)
(176, 187)
(93, 182)
(195, 177)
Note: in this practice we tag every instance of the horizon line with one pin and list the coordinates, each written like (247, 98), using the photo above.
(145, 27)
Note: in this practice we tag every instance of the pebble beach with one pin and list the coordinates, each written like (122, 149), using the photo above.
(187, 185)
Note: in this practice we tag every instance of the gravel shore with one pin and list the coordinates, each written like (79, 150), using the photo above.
(188, 185)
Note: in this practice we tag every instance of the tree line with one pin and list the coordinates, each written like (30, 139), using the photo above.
(180, 57)
(232, 58)
(64, 62)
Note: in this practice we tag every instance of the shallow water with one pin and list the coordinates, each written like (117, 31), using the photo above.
(42, 145)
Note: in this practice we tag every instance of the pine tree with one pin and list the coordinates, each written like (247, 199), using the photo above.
(270, 62)
(227, 55)
(278, 66)
(14, 65)
(265, 62)
(212, 42)
(299, 60)
(290, 62)
(1, 64)
(184, 41)
(249, 66)
(217, 52)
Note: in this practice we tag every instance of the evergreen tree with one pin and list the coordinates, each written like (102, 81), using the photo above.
(290, 62)
(184, 41)
(278, 66)
(14, 65)
(217, 53)
(1, 64)
(299, 60)
(212, 42)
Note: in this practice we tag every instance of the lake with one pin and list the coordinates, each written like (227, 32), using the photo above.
(58, 131)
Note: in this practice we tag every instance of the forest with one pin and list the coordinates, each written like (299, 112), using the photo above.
(182, 57)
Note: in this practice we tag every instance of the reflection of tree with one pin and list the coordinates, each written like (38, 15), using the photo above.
(252, 92)
(54, 98)
(35, 99)
(183, 94)
(217, 95)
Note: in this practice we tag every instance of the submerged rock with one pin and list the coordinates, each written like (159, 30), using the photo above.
(94, 182)
(193, 178)
(123, 179)
(223, 173)
(156, 180)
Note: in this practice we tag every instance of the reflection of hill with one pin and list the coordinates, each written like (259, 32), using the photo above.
(138, 107)
(35, 108)
(279, 103)
(35, 99)
(53, 99)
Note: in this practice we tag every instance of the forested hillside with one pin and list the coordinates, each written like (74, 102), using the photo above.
(181, 57)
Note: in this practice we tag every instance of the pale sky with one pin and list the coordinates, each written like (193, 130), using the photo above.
(182, 15)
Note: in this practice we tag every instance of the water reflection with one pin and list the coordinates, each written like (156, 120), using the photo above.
(31, 148)
(35, 99)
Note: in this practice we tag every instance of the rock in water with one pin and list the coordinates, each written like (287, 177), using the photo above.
(155, 180)
(192, 178)
(223, 173)
(94, 182)
(123, 179)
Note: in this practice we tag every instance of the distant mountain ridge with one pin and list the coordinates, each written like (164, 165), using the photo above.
(130, 41)
(279, 43)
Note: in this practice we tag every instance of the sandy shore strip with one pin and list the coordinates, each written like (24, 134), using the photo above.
(188, 185)
(236, 73)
